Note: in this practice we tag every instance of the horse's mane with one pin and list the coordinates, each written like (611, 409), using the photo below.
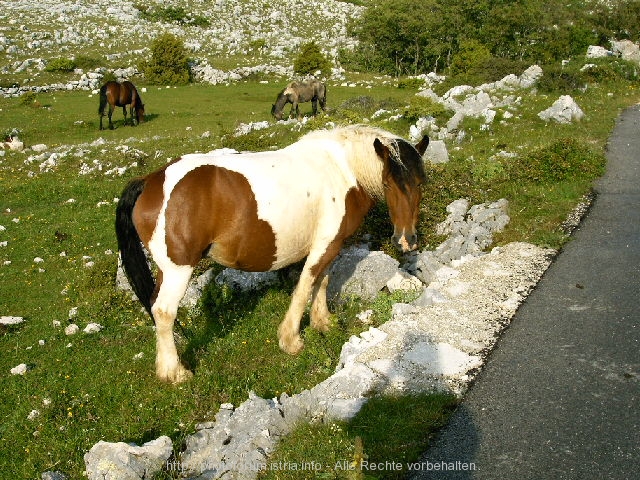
(363, 160)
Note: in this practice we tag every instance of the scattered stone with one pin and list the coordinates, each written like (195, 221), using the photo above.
(246, 281)
(54, 476)
(19, 369)
(92, 328)
(8, 320)
(71, 329)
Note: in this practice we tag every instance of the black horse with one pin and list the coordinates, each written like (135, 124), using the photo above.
(120, 95)
(299, 92)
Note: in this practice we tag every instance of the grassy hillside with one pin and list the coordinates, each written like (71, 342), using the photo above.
(58, 249)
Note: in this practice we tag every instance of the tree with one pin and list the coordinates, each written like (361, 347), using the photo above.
(406, 36)
(169, 64)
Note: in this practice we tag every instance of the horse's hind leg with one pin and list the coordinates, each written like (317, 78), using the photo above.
(172, 287)
(314, 106)
(109, 115)
(319, 311)
(312, 279)
(124, 112)
(289, 330)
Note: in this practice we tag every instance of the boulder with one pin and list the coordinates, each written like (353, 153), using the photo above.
(359, 272)
(563, 110)
(627, 50)
(437, 152)
(124, 461)
(596, 51)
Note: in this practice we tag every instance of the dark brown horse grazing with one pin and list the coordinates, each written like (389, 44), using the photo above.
(263, 211)
(120, 95)
(300, 92)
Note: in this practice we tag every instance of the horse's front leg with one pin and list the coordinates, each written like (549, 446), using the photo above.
(294, 108)
(314, 106)
(124, 112)
(171, 288)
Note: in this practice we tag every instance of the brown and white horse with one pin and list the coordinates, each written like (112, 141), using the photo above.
(263, 211)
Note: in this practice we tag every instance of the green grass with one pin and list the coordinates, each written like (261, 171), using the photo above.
(382, 441)
(93, 387)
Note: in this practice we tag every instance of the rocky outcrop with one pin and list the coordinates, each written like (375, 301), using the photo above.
(123, 461)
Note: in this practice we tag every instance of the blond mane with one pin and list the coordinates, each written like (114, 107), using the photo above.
(357, 140)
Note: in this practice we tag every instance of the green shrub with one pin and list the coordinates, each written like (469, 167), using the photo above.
(60, 65)
(169, 64)
(29, 99)
(425, 107)
(87, 63)
(607, 70)
(410, 83)
(310, 60)
(562, 160)
(109, 77)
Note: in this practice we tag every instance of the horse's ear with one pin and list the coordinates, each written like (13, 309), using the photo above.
(422, 146)
(381, 150)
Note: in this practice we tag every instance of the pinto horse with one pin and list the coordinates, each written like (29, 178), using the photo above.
(300, 92)
(120, 95)
(263, 211)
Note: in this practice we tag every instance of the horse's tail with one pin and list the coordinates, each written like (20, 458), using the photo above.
(133, 257)
(103, 99)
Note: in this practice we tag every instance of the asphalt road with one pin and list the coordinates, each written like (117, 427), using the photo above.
(559, 398)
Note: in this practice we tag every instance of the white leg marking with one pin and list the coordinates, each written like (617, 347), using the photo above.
(165, 309)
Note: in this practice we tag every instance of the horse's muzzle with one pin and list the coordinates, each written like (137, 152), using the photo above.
(405, 243)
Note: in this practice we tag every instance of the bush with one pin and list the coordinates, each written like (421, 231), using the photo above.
(29, 99)
(310, 60)
(557, 79)
(87, 63)
(169, 64)
(60, 65)
(609, 70)
(425, 107)
(562, 160)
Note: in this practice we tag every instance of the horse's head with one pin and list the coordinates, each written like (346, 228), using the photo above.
(278, 107)
(402, 175)
(140, 112)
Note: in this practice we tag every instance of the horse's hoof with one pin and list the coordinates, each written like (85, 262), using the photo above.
(293, 346)
(321, 324)
(178, 375)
